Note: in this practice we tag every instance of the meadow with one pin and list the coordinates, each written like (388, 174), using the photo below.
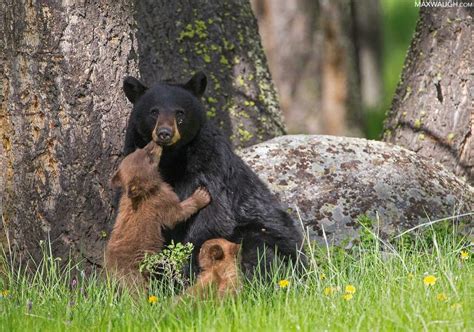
(420, 282)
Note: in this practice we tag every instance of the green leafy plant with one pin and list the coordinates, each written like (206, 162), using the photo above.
(168, 263)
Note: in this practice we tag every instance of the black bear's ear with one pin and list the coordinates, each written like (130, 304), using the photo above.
(197, 84)
(216, 252)
(133, 88)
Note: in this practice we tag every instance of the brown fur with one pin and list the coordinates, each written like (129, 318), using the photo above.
(146, 206)
(219, 272)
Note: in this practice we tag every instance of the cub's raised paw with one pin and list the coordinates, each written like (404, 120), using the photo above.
(202, 197)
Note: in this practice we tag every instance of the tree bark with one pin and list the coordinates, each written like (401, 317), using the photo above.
(177, 38)
(432, 112)
(62, 121)
(63, 113)
(323, 55)
(291, 36)
(340, 89)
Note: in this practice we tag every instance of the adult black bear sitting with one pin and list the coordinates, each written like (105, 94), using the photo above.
(197, 154)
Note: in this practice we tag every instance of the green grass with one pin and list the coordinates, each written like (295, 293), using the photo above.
(390, 295)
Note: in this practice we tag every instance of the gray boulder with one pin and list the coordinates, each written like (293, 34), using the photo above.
(327, 182)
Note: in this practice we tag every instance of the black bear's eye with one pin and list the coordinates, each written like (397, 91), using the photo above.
(154, 111)
(179, 116)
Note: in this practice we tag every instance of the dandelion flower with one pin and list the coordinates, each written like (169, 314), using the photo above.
(329, 291)
(464, 255)
(4, 293)
(322, 276)
(347, 296)
(283, 283)
(152, 299)
(441, 297)
(429, 280)
(456, 306)
(350, 289)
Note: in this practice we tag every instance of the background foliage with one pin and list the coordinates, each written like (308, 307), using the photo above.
(399, 21)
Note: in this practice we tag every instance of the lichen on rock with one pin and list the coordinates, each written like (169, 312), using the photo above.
(330, 181)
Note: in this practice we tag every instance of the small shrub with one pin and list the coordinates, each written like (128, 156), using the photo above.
(169, 263)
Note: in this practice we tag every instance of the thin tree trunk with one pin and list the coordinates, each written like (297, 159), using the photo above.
(292, 38)
(367, 37)
(177, 38)
(432, 111)
(340, 89)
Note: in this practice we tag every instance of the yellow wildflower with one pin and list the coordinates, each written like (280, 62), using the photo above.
(152, 299)
(5, 293)
(350, 289)
(429, 280)
(322, 276)
(329, 291)
(283, 283)
(441, 297)
(456, 306)
(464, 255)
(347, 296)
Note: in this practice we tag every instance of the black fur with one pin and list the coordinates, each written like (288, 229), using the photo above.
(242, 208)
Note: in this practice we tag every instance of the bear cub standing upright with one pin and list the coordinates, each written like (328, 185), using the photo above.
(147, 205)
(196, 153)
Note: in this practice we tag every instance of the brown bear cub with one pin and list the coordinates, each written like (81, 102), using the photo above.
(218, 260)
(146, 206)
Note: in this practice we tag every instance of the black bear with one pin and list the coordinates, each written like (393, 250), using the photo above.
(196, 154)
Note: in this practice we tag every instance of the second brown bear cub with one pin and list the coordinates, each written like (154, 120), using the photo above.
(218, 260)
(146, 206)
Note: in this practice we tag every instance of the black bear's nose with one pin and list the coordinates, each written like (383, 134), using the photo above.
(164, 135)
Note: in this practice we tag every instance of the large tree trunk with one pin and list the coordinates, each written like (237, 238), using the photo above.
(63, 113)
(177, 38)
(62, 121)
(432, 110)
(323, 55)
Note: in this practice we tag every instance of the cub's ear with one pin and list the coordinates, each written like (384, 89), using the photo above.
(116, 181)
(216, 253)
(133, 88)
(197, 84)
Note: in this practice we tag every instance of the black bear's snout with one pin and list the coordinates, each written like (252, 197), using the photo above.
(164, 135)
